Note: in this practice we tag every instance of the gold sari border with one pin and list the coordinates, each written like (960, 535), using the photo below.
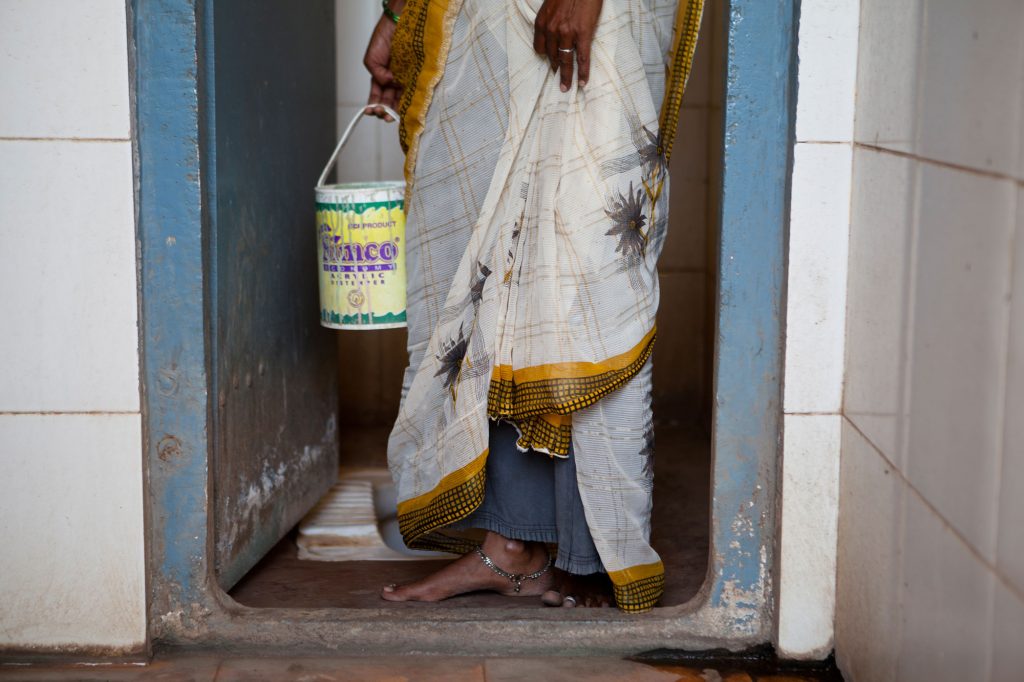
(562, 388)
(684, 45)
(573, 370)
(549, 434)
(638, 588)
(439, 542)
(455, 497)
(420, 49)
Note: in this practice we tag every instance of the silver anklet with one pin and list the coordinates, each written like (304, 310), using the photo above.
(515, 578)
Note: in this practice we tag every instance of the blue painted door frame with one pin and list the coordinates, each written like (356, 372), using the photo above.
(735, 607)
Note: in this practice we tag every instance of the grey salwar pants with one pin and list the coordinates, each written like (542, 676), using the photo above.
(530, 496)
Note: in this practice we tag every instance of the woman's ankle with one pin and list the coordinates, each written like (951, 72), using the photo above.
(517, 553)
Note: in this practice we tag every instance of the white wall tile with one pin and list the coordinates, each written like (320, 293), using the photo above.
(958, 356)
(354, 22)
(887, 73)
(359, 161)
(868, 577)
(828, 70)
(1010, 544)
(1020, 148)
(940, 80)
(64, 69)
(1019, 174)
(882, 211)
(818, 242)
(946, 602)
(1007, 635)
(807, 564)
(374, 152)
(71, 523)
(972, 69)
(392, 159)
(67, 270)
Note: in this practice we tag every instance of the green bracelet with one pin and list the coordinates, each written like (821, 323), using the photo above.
(388, 12)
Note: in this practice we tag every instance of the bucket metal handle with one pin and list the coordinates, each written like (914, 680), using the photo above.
(344, 138)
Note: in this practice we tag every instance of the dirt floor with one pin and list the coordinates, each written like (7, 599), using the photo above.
(680, 535)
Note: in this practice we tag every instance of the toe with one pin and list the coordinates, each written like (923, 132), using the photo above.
(551, 598)
(391, 593)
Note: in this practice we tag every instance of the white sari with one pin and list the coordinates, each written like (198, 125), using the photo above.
(535, 222)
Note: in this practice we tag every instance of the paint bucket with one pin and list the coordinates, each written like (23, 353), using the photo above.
(360, 249)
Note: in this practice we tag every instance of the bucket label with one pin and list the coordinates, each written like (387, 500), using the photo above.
(361, 249)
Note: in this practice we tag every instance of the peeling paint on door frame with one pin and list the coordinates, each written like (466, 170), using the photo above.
(734, 609)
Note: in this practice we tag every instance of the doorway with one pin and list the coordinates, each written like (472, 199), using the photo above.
(217, 387)
(371, 365)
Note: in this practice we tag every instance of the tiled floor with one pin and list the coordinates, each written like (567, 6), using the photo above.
(680, 534)
(413, 669)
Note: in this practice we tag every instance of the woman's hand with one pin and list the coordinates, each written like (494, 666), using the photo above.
(565, 25)
(383, 87)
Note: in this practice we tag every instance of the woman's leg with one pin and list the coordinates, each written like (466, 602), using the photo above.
(519, 493)
(580, 579)
(613, 444)
(519, 514)
(469, 574)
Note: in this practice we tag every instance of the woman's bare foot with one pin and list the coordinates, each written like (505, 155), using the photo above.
(469, 573)
(594, 590)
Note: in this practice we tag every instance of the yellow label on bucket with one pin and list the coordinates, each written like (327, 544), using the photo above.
(361, 250)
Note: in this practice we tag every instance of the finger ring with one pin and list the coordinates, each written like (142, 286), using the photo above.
(571, 598)
(570, 50)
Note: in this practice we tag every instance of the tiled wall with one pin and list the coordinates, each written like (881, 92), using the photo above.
(688, 265)
(72, 566)
(931, 548)
(372, 363)
(815, 318)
